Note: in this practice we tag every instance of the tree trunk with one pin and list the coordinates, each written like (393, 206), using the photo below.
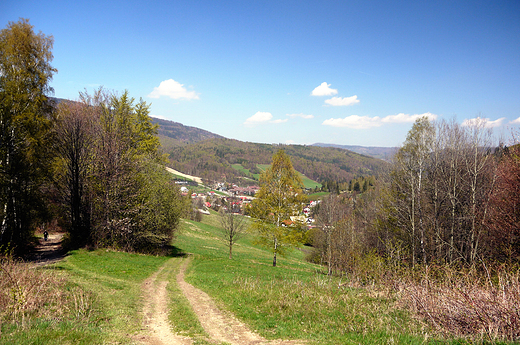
(274, 256)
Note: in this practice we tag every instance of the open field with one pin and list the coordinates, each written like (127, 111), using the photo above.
(188, 177)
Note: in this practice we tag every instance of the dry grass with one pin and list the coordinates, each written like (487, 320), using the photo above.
(470, 305)
(28, 293)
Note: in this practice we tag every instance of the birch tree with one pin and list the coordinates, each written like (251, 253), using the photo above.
(409, 177)
(280, 197)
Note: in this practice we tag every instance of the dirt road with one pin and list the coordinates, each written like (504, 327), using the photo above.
(222, 327)
(48, 252)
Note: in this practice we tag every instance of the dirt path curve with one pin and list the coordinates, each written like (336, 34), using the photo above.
(220, 326)
(156, 313)
(48, 252)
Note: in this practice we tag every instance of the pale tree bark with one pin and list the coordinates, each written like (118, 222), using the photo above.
(479, 167)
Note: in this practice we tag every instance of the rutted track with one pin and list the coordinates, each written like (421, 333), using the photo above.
(221, 326)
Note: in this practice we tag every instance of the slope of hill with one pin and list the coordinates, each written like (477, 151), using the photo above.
(384, 153)
(175, 133)
(214, 159)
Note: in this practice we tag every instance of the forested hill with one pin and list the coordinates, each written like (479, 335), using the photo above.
(219, 159)
(174, 133)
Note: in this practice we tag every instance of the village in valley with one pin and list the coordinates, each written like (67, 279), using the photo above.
(230, 195)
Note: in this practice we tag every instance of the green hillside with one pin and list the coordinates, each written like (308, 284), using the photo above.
(225, 159)
(307, 182)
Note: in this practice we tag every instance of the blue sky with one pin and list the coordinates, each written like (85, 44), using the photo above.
(343, 72)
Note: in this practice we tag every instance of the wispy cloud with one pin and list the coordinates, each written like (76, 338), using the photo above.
(324, 90)
(303, 116)
(407, 118)
(342, 101)
(173, 89)
(279, 121)
(354, 121)
(482, 121)
(364, 122)
(159, 117)
(516, 122)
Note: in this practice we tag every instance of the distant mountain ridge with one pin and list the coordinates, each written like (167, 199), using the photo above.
(384, 153)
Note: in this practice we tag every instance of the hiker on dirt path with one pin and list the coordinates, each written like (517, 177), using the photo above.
(45, 235)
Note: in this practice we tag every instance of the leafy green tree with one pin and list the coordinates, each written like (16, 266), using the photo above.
(280, 197)
(160, 207)
(118, 170)
(25, 123)
(114, 188)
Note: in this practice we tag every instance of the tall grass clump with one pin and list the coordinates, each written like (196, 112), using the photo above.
(37, 303)
(27, 293)
(467, 304)
(478, 304)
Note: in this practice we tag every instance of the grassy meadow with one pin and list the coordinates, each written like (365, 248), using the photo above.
(98, 297)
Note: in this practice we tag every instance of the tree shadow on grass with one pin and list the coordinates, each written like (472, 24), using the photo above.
(175, 252)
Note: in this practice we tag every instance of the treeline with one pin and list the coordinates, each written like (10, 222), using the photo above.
(212, 160)
(94, 165)
(359, 184)
(450, 198)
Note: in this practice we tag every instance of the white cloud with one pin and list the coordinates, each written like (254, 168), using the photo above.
(172, 89)
(259, 117)
(324, 90)
(303, 116)
(516, 122)
(364, 122)
(262, 117)
(354, 121)
(342, 101)
(482, 121)
(407, 118)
